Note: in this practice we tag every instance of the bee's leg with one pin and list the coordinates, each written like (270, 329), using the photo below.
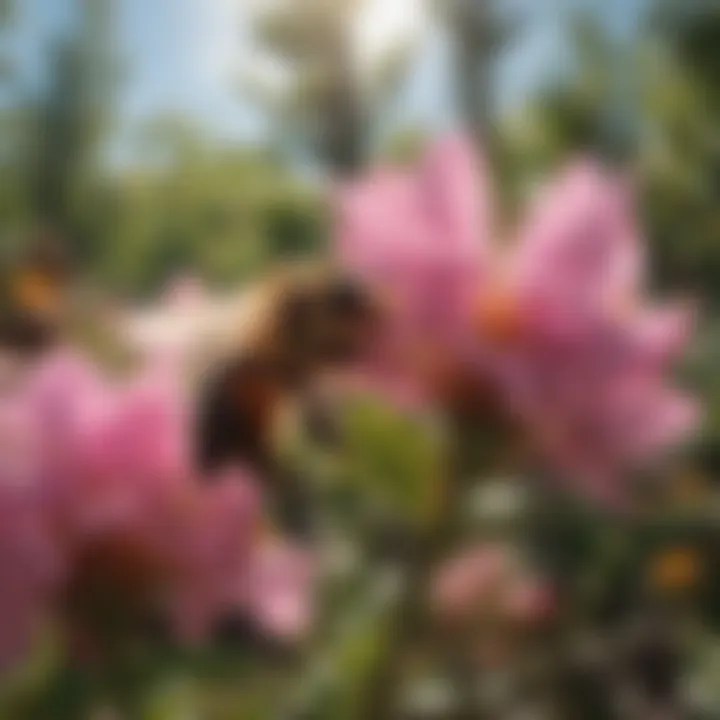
(236, 415)
(231, 423)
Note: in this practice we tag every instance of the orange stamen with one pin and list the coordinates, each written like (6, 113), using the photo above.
(497, 316)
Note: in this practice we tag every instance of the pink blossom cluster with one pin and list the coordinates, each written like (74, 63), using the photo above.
(489, 581)
(554, 322)
(487, 602)
(99, 503)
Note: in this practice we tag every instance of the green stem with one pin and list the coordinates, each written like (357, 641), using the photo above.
(381, 692)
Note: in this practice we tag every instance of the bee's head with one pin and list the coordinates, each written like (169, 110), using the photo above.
(329, 320)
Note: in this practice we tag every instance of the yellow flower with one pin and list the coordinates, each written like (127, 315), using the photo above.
(676, 569)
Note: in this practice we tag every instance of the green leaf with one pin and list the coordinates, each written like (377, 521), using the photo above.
(394, 456)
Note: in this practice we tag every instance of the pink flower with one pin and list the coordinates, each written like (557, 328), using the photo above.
(419, 239)
(556, 324)
(488, 581)
(276, 590)
(581, 355)
(30, 566)
(111, 511)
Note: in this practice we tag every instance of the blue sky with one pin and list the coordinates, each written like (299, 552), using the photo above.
(187, 55)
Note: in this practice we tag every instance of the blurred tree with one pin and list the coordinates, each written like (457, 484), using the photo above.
(10, 135)
(7, 13)
(479, 31)
(651, 104)
(224, 213)
(692, 29)
(681, 151)
(585, 111)
(69, 124)
(323, 94)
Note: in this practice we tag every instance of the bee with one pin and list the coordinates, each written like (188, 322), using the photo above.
(284, 334)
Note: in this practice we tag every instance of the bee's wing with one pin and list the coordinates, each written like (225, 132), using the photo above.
(194, 334)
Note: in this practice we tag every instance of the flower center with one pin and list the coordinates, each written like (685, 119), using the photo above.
(497, 316)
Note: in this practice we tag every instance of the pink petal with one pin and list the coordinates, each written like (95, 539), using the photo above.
(662, 334)
(456, 198)
(579, 243)
(279, 591)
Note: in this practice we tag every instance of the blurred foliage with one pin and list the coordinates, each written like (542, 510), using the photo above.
(318, 93)
(479, 30)
(681, 161)
(228, 212)
(383, 465)
(648, 103)
(223, 214)
(53, 140)
(395, 457)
